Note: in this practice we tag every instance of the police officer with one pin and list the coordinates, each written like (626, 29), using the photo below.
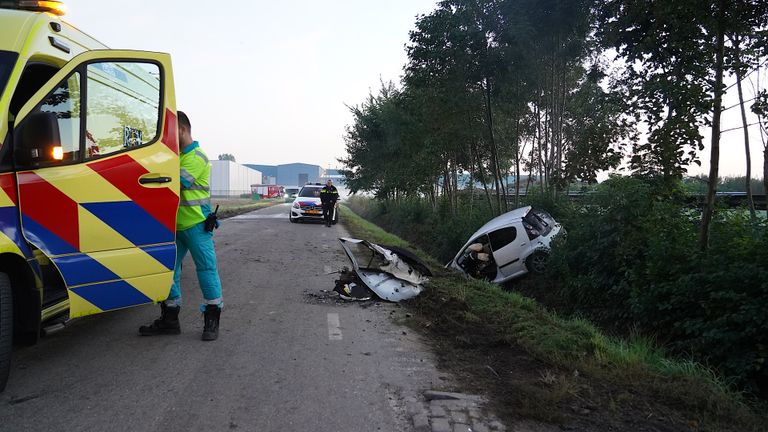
(195, 236)
(328, 197)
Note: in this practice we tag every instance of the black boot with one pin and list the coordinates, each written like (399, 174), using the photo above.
(211, 320)
(168, 323)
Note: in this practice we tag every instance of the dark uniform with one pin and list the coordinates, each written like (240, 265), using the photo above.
(328, 197)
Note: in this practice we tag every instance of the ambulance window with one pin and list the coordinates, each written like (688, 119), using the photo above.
(123, 107)
(50, 134)
(7, 60)
(35, 76)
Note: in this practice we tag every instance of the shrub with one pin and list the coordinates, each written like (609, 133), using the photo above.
(632, 258)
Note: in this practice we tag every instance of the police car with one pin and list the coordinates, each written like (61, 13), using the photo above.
(307, 205)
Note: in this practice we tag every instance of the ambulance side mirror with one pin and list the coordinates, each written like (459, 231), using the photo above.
(38, 140)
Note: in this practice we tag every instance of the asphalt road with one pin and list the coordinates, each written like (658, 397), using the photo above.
(289, 356)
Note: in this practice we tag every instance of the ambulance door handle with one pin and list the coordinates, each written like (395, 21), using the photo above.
(148, 180)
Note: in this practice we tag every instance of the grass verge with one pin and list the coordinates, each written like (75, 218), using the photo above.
(534, 364)
(234, 207)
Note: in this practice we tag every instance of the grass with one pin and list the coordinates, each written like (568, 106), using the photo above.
(635, 369)
(363, 229)
(229, 207)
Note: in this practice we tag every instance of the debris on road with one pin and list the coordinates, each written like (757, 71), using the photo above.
(393, 274)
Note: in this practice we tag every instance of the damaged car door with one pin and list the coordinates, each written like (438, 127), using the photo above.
(507, 245)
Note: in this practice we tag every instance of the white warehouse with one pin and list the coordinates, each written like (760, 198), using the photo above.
(230, 179)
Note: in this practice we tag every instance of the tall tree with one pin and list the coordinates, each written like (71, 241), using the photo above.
(747, 22)
(665, 48)
(714, 164)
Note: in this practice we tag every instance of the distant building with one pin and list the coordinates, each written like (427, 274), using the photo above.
(293, 174)
(266, 170)
(230, 179)
(297, 174)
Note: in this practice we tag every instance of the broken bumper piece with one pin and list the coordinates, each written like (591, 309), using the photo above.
(393, 274)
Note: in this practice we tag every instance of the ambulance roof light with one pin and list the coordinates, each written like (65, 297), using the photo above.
(55, 7)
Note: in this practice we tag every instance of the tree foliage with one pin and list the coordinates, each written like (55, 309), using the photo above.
(491, 87)
(504, 96)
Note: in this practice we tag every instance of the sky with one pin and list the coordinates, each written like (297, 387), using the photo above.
(267, 81)
(270, 81)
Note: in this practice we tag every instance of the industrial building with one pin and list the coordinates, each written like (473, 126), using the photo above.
(230, 179)
(293, 174)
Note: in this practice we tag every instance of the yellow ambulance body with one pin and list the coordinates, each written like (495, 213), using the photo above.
(89, 174)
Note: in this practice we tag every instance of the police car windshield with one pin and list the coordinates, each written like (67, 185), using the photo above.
(310, 192)
(7, 60)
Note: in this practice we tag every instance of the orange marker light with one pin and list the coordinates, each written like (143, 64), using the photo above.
(58, 153)
(55, 7)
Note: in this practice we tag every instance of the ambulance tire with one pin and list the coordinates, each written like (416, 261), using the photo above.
(6, 328)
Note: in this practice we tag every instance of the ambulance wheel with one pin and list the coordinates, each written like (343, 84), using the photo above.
(6, 328)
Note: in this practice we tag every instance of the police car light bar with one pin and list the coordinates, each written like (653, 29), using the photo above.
(55, 7)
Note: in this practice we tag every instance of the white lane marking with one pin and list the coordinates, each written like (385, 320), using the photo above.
(334, 327)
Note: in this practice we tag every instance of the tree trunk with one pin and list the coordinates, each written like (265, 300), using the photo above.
(481, 176)
(494, 150)
(765, 178)
(739, 78)
(518, 155)
(714, 164)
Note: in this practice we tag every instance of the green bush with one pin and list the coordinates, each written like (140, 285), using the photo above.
(435, 229)
(632, 258)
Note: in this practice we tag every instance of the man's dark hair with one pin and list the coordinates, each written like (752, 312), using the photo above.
(184, 120)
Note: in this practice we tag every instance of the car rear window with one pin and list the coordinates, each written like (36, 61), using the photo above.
(536, 225)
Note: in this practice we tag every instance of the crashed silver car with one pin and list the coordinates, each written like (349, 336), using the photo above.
(509, 246)
(391, 273)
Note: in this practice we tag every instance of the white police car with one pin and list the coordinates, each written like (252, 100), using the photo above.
(307, 205)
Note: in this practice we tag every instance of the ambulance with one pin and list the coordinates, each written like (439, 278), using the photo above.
(89, 174)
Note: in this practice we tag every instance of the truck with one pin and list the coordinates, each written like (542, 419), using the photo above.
(268, 191)
(89, 174)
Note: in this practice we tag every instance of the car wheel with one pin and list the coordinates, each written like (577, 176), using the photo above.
(291, 218)
(6, 328)
(537, 262)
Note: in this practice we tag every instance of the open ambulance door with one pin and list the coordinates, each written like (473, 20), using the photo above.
(97, 161)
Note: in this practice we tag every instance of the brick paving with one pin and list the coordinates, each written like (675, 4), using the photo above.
(451, 412)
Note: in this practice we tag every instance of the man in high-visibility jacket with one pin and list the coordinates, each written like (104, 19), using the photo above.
(193, 237)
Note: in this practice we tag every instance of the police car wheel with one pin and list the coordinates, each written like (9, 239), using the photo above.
(6, 328)
(291, 218)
